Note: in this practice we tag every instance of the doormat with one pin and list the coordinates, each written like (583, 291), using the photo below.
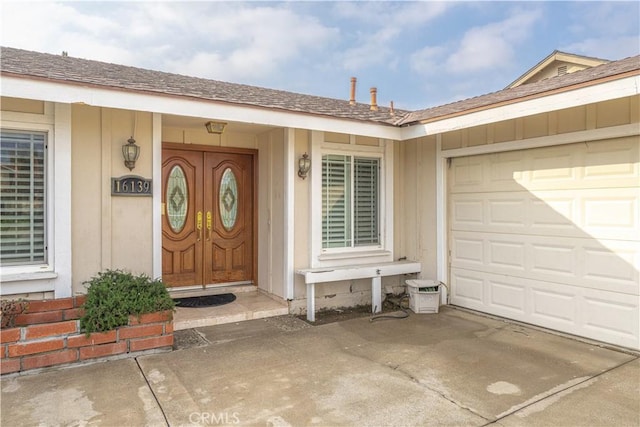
(205, 301)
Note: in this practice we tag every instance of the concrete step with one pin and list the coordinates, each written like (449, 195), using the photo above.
(247, 306)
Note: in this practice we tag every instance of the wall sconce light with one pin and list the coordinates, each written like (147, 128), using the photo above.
(130, 152)
(304, 164)
(215, 127)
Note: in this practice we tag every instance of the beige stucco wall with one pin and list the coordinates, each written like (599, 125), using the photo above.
(415, 220)
(344, 293)
(271, 209)
(20, 105)
(592, 116)
(108, 232)
(415, 209)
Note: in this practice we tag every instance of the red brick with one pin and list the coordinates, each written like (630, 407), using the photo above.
(74, 313)
(49, 305)
(51, 329)
(49, 359)
(3, 351)
(93, 339)
(9, 335)
(168, 328)
(149, 343)
(37, 318)
(35, 347)
(157, 317)
(103, 350)
(79, 300)
(8, 366)
(139, 331)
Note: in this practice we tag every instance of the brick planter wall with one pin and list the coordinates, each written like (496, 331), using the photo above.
(48, 334)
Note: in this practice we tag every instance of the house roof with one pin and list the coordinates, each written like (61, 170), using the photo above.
(71, 70)
(586, 77)
(557, 56)
(27, 64)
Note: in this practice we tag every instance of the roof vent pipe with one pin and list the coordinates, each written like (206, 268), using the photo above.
(374, 102)
(391, 110)
(352, 99)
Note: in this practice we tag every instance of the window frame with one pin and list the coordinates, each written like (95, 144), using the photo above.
(45, 196)
(381, 252)
(56, 275)
(352, 199)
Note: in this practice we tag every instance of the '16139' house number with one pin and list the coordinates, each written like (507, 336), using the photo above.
(130, 185)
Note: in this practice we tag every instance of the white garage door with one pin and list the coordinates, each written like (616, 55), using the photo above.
(550, 236)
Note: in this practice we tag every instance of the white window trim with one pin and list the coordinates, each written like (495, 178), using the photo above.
(55, 275)
(366, 255)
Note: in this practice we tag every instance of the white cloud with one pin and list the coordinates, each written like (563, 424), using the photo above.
(427, 59)
(607, 30)
(615, 48)
(383, 24)
(228, 41)
(492, 45)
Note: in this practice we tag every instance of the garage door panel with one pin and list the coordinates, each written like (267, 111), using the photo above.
(506, 254)
(553, 305)
(468, 212)
(507, 296)
(607, 315)
(585, 213)
(552, 167)
(554, 259)
(606, 164)
(509, 212)
(617, 263)
(470, 251)
(550, 236)
(619, 212)
(469, 289)
(603, 315)
(596, 264)
(617, 159)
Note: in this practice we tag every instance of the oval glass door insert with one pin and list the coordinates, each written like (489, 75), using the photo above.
(228, 199)
(177, 199)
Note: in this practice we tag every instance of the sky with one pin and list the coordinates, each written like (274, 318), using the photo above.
(417, 54)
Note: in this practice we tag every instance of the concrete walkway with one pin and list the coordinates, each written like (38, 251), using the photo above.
(452, 368)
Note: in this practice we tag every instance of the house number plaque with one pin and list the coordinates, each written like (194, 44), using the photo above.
(130, 185)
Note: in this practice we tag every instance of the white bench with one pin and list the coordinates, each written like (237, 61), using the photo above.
(375, 272)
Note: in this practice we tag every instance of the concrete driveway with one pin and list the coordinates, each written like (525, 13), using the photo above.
(452, 368)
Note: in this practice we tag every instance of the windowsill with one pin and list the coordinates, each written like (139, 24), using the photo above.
(20, 277)
(353, 255)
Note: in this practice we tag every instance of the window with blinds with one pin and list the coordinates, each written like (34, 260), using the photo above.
(22, 198)
(350, 201)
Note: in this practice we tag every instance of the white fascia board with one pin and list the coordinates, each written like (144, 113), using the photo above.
(621, 88)
(156, 103)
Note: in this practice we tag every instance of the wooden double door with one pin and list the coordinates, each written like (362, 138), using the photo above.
(208, 216)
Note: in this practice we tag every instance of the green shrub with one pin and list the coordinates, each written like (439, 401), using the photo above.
(113, 295)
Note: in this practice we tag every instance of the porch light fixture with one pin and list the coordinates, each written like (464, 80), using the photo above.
(130, 152)
(304, 164)
(215, 127)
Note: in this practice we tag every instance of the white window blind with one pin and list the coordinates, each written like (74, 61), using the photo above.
(366, 202)
(336, 201)
(350, 201)
(22, 198)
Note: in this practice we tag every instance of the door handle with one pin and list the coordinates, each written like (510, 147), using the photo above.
(209, 224)
(199, 225)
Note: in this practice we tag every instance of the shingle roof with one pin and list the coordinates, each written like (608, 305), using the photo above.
(82, 71)
(87, 72)
(532, 89)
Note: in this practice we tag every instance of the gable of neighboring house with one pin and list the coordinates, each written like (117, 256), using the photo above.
(556, 64)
